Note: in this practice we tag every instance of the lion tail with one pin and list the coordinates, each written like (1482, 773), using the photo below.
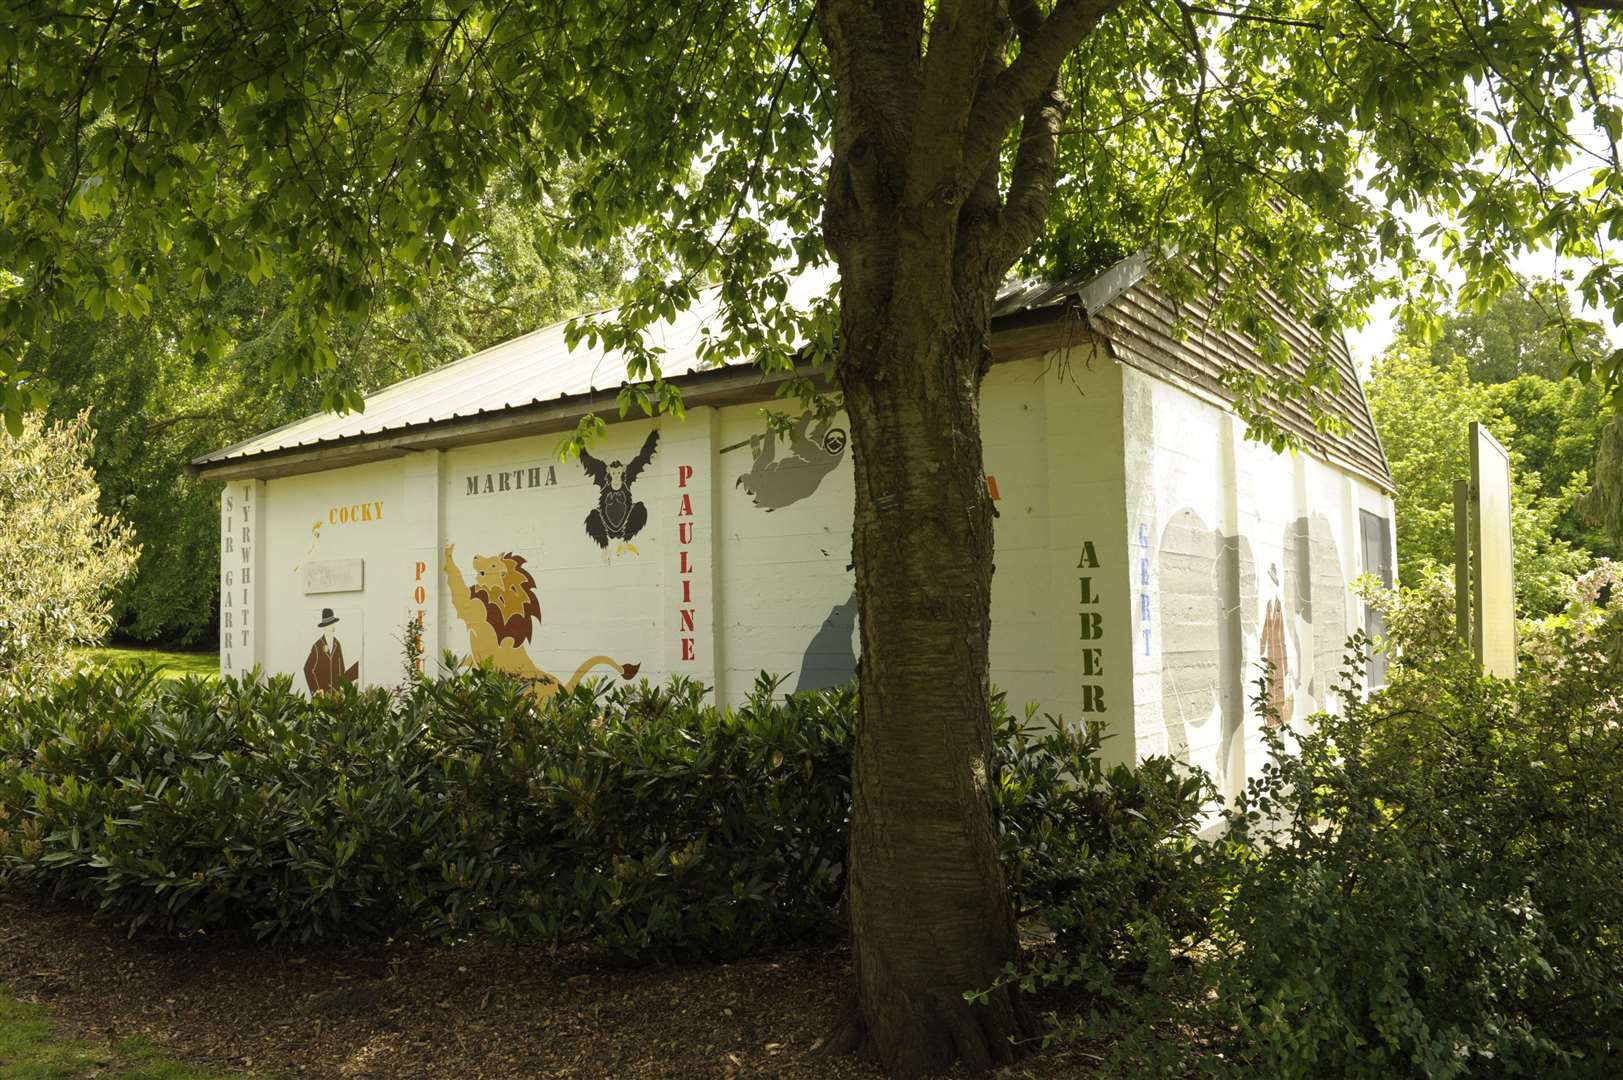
(625, 671)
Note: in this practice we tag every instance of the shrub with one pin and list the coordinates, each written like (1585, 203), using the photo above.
(1107, 857)
(1424, 884)
(1431, 885)
(63, 557)
(645, 818)
(640, 818)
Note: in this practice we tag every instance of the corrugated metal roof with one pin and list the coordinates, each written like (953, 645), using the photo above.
(1142, 323)
(530, 369)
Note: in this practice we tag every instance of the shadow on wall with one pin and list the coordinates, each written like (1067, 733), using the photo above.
(1208, 596)
(1212, 650)
(1316, 605)
(831, 659)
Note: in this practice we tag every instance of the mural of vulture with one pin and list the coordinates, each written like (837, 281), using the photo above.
(618, 516)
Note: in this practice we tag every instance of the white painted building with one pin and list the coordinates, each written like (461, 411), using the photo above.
(1148, 556)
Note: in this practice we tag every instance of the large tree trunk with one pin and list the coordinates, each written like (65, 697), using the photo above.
(923, 230)
(929, 905)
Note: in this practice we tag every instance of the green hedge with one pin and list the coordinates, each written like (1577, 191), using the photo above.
(1444, 897)
(1428, 883)
(640, 819)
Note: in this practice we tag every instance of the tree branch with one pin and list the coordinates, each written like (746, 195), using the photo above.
(1022, 83)
(961, 37)
(1036, 159)
(1595, 98)
(873, 56)
(1031, 186)
(1246, 16)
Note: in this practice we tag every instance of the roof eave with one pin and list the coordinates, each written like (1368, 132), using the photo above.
(1015, 336)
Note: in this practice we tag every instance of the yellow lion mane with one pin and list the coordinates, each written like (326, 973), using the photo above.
(506, 589)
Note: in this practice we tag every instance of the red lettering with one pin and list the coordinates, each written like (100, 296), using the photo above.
(684, 534)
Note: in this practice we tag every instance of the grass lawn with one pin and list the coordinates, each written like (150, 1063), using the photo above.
(173, 665)
(30, 1051)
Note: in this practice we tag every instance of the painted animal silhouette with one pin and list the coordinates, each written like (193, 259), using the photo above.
(814, 451)
(501, 611)
(618, 516)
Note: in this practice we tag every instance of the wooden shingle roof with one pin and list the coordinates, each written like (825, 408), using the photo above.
(1146, 327)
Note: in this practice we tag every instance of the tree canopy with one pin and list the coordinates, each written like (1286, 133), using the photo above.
(157, 405)
(1422, 406)
(1502, 364)
(1522, 331)
(348, 149)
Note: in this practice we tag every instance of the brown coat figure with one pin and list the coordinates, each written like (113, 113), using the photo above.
(1273, 651)
(324, 668)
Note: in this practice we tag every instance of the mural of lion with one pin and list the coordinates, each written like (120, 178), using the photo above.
(507, 590)
(501, 611)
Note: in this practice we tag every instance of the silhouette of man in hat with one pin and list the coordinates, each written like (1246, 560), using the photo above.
(324, 668)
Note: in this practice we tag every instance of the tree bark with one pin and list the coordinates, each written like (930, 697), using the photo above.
(928, 899)
(923, 236)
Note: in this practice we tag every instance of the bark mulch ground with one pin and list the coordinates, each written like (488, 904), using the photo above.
(412, 1010)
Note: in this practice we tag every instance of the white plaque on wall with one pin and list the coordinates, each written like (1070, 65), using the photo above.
(334, 575)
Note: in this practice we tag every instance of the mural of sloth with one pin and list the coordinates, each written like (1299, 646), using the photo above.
(501, 612)
(813, 453)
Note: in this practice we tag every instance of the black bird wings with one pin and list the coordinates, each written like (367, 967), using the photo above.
(644, 456)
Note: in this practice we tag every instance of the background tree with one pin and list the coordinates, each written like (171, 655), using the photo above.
(157, 405)
(1503, 366)
(1422, 411)
(1559, 426)
(64, 558)
(924, 148)
(1527, 330)
(1605, 503)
